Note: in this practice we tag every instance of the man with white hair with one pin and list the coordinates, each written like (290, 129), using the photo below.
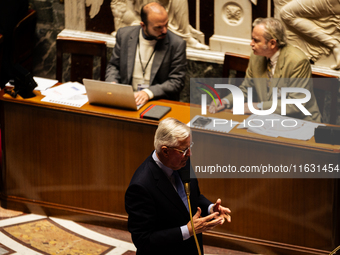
(159, 220)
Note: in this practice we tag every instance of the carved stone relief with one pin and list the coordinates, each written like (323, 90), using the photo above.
(123, 14)
(313, 26)
(127, 13)
(232, 14)
(232, 31)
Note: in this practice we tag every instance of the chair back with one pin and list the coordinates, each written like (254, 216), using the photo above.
(82, 53)
(236, 62)
(325, 86)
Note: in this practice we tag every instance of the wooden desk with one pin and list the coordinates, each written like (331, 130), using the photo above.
(77, 163)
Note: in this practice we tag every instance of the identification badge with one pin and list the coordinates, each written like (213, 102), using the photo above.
(140, 87)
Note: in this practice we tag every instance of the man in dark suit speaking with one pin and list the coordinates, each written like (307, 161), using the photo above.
(159, 220)
(149, 57)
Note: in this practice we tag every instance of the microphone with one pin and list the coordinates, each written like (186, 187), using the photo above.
(184, 173)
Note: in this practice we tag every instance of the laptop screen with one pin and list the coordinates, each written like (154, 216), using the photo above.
(110, 94)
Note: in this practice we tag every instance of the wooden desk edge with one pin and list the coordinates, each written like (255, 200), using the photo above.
(83, 110)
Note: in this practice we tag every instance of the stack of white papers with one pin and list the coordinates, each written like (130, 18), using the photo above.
(70, 93)
(275, 125)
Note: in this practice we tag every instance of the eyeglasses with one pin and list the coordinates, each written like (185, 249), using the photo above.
(184, 152)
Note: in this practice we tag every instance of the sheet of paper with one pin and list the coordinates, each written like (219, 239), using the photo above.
(65, 90)
(70, 93)
(44, 83)
(9, 85)
(275, 125)
(75, 100)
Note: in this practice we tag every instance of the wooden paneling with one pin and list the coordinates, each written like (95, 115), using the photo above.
(70, 159)
(77, 163)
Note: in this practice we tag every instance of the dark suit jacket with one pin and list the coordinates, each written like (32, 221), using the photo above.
(156, 212)
(168, 68)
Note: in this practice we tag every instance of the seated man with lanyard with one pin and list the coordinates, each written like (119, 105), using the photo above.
(149, 57)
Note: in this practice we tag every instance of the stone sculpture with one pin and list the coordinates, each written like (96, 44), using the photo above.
(127, 13)
(313, 26)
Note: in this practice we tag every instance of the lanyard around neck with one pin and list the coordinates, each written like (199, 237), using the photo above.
(140, 59)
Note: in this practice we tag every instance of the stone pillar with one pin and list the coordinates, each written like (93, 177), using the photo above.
(233, 24)
(75, 15)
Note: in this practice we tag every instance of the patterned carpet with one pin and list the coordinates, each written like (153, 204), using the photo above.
(34, 234)
(30, 234)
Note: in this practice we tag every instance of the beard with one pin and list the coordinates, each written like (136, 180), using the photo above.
(152, 37)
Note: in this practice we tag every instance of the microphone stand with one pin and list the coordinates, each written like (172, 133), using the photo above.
(187, 192)
(335, 250)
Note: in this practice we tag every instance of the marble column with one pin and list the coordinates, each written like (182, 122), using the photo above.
(75, 15)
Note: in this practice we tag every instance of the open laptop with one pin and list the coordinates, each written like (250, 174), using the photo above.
(110, 94)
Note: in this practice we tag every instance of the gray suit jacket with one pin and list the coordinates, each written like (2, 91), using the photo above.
(292, 70)
(168, 68)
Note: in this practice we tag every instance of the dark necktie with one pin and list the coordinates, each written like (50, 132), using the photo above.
(180, 189)
(269, 69)
(270, 76)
